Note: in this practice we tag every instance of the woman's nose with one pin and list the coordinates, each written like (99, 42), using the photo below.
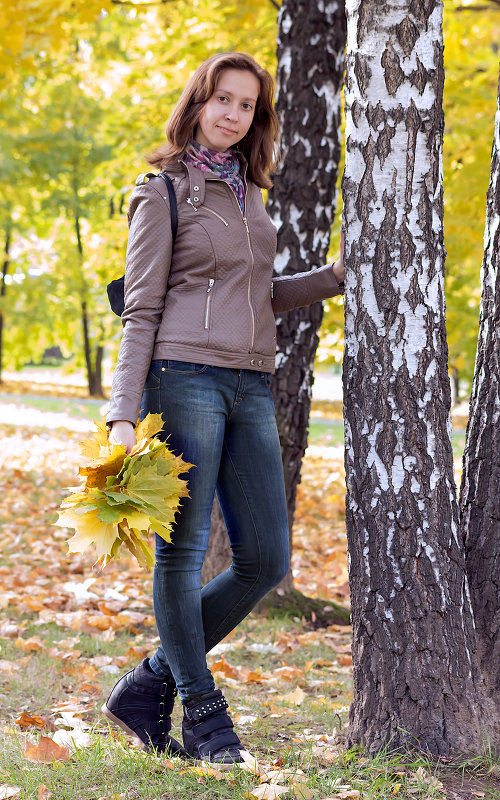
(232, 112)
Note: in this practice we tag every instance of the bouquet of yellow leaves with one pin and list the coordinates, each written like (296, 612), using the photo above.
(124, 497)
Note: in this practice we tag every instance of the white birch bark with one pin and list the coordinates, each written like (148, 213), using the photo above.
(413, 650)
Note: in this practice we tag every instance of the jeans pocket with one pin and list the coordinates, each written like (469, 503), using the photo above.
(153, 377)
(186, 367)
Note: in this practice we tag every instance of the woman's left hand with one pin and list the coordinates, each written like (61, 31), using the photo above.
(338, 266)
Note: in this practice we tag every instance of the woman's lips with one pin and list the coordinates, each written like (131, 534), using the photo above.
(226, 130)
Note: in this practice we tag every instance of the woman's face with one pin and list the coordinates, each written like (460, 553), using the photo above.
(227, 116)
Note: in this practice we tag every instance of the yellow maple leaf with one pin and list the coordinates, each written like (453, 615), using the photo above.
(91, 448)
(136, 519)
(89, 530)
(149, 426)
(109, 463)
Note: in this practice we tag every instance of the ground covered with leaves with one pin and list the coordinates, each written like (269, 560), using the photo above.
(67, 632)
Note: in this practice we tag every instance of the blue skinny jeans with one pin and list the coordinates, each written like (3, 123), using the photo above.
(222, 420)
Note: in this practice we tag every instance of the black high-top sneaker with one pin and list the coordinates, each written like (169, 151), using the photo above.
(141, 704)
(207, 731)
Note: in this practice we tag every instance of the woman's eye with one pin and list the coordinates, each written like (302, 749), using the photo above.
(247, 106)
(222, 98)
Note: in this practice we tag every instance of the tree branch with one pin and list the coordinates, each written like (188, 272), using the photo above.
(275, 4)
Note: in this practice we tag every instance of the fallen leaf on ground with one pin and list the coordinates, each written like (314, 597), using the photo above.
(9, 629)
(43, 793)
(288, 672)
(9, 791)
(27, 720)
(72, 740)
(268, 791)
(430, 781)
(227, 669)
(301, 790)
(35, 643)
(249, 675)
(8, 666)
(281, 775)
(250, 763)
(70, 720)
(46, 751)
(209, 771)
(296, 697)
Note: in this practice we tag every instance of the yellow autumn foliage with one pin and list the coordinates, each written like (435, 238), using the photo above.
(124, 498)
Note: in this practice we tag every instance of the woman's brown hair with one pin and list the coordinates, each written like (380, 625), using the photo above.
(259, 145)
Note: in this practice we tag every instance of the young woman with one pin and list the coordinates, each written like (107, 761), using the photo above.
(198, 347)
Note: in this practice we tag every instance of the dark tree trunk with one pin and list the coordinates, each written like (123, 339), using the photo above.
(3, 288)
(479, 494)
(415, 679)
(94, 368)
(93, 363)
(310, 51)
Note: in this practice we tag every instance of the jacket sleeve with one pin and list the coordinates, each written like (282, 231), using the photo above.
(147, 268)
(304, 288)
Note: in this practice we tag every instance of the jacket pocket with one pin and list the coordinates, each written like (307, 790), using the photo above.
(210, 211)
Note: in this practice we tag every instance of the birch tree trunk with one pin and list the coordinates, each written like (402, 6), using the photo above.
(310, 51)
(415, 682)
(479, 495)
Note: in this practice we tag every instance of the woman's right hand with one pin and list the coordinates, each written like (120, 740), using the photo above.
(123, 432)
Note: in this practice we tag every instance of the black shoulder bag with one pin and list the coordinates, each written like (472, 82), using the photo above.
(116, 289)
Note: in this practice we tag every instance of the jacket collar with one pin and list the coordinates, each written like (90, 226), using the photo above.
(198, 177)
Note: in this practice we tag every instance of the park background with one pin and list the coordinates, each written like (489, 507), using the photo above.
(85, 91)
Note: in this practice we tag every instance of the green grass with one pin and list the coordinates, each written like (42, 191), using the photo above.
(308, 737)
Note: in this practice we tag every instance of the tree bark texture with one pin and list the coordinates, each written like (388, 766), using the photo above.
(413, 637)
(479, 494)
(310, 51)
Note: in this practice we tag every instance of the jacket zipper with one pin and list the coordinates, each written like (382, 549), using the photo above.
(245, 222)
(252, 314)
(211, 282)
(244, 216)
(208, 209)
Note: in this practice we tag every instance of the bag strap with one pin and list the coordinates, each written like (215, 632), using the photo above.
(116, 288)
(174, 215)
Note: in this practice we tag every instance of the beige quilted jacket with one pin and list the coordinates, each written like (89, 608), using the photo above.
(213, 299)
